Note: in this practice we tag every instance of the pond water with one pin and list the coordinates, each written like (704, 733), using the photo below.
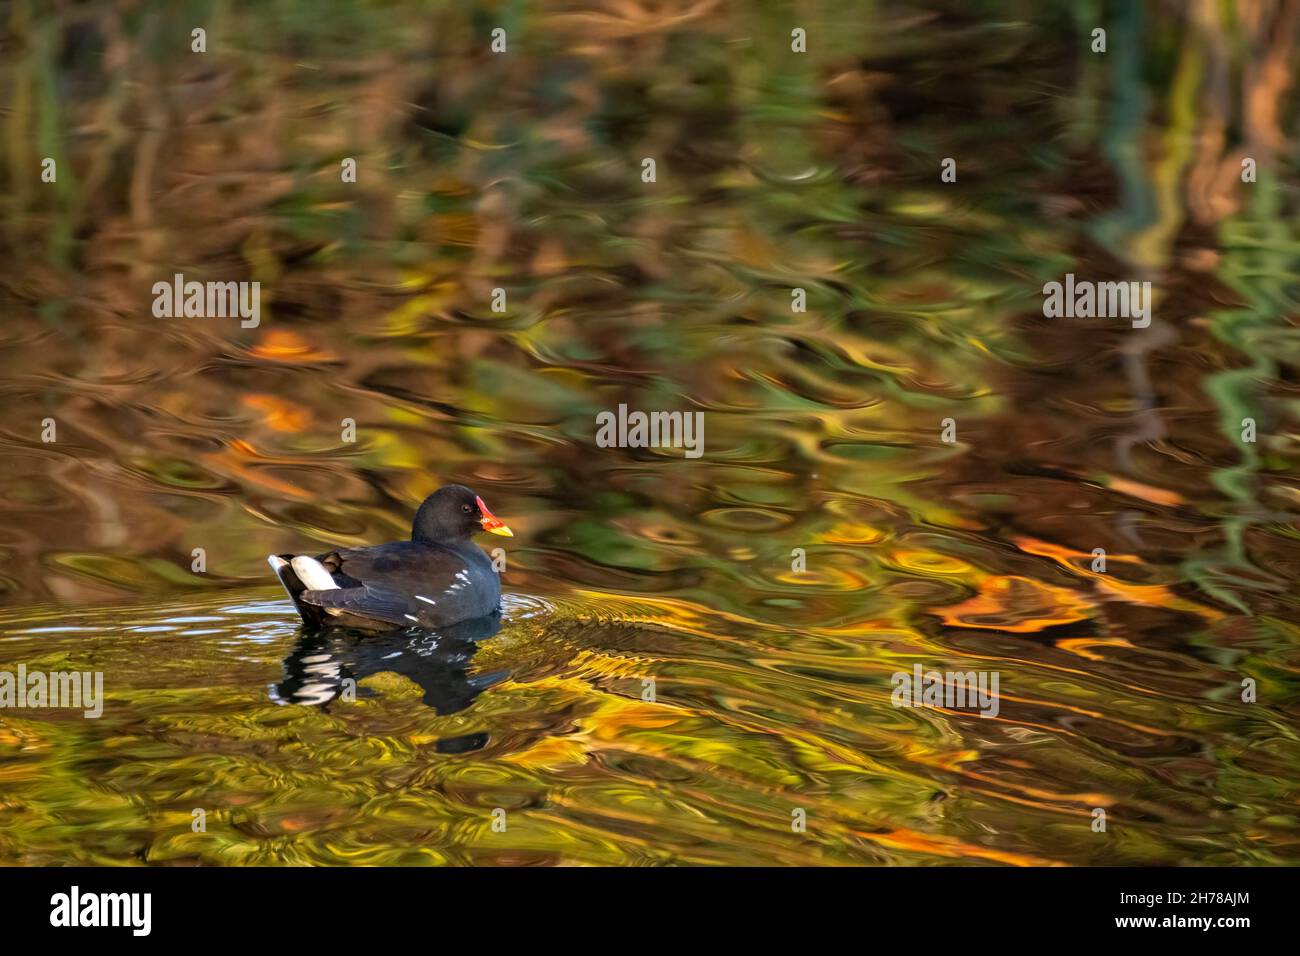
(696, 656)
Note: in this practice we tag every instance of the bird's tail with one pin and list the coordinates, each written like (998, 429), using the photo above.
(297, 574)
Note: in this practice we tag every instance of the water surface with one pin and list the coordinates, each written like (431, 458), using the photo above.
(763, 594)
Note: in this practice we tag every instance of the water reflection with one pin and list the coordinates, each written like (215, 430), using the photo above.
(330, 663)
(1122, 688)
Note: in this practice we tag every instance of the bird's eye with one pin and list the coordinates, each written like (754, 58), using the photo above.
(466, 508)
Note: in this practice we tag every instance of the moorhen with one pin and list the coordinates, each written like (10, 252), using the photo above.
(437, 578)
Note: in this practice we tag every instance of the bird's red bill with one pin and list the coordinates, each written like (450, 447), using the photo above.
(491, 522)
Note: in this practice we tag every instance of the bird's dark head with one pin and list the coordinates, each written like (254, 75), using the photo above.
(454, 513)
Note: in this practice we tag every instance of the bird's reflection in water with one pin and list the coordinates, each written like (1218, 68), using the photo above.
(327, 665)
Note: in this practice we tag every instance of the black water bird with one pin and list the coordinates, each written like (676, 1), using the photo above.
(439, 577)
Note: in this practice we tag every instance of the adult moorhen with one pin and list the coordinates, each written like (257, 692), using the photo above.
(437, 578)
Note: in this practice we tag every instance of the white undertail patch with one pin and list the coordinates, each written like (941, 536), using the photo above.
(313, 574)
(277, 564)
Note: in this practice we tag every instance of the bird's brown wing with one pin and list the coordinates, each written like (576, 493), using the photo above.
(404, 567)
(365, 602)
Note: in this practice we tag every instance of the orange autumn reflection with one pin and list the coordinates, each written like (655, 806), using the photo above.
(279, 414)
(1017, 604)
